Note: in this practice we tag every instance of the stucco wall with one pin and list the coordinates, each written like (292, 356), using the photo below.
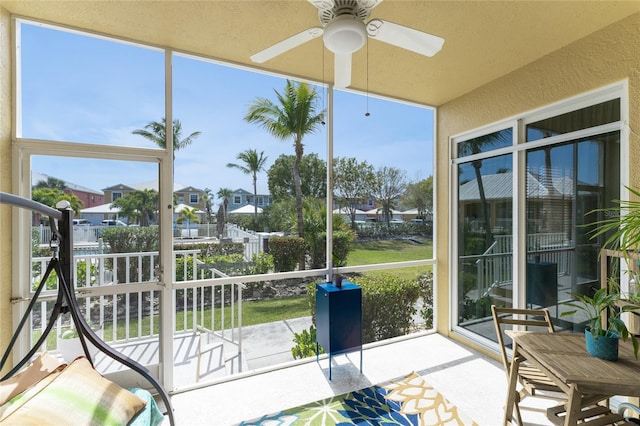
(5, 180)
(607, 56)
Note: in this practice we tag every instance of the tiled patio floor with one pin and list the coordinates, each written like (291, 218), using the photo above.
(475, 383)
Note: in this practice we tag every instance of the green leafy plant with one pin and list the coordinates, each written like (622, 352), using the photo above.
(305, 344)
(621, 228)
(261, 263)
(622, 224)
(71, 333)
(595, 307)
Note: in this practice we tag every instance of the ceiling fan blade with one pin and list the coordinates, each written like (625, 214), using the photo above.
(287, 44)
(342, 72)
(404, 37)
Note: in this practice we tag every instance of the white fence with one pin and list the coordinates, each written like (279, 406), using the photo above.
(126, 314)
(87, 238)
(495, 265)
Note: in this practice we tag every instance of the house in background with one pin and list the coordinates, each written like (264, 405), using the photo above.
(89, 197)
(241, 197)
(191, 197)
(187, 196)
(114, 192)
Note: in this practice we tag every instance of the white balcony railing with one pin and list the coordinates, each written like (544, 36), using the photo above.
(495, 265)
(113, 292)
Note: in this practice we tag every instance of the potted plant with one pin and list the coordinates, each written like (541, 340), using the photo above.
(621, 227)
(337, 280)
(70, 346)
(602, 339)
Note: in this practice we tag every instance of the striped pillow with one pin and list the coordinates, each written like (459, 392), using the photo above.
(78, 395)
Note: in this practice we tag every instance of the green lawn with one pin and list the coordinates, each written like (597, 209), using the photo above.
(269, 310)
(385, 251)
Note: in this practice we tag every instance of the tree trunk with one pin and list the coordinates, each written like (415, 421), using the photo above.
(485, 206)
(298, 188)
(255, 202)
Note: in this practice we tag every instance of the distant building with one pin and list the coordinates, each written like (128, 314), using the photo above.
(187, 196)
(191, 197)
(240, 198)
(89, 197)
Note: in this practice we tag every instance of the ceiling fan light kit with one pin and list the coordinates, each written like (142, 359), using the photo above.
(344, 32)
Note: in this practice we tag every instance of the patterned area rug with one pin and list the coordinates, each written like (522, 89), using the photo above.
(410, 401)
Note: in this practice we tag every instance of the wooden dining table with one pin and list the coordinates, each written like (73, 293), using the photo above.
(564, 359)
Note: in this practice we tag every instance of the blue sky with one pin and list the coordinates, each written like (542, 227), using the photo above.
(82, 89)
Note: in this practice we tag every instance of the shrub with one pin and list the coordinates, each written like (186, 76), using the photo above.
(131, 240)
(388, 305)
(286, 252)
(261, 263)
(425, 283)
(305, 344)
(208, 249)
(341, 245)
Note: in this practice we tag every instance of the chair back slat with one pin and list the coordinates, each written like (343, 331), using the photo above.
(526, 318)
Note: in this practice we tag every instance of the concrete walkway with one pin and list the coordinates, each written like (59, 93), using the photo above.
(264, 345)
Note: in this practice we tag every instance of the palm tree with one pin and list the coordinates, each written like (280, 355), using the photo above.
(51, 183)
(139, 205)
(476, 146)
(225, 195)
(156, 133)
(253, 164)
(189, 214)
(208, 203)
(292, 118)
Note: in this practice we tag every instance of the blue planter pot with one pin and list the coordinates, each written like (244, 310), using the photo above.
(602, 346)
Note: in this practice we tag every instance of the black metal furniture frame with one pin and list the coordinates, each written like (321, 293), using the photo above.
(66, 301)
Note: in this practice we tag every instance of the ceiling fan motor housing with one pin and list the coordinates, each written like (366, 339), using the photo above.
(345, 34)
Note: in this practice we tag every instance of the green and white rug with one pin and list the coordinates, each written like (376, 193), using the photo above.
(410, 401)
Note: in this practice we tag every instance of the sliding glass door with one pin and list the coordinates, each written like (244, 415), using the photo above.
(525, 207)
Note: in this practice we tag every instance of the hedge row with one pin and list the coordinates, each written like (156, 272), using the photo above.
(388, 305)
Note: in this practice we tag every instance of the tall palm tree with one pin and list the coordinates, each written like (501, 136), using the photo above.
(225, 195)
(253, 164)
(208, 203)
(476, 146)
(189, 214)
(293, 117)
(156, 133)
(139, 205)
(52, 183)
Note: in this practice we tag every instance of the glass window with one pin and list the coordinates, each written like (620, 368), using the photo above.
(485, 251)
(486, 143)
(565, 184)
(594, 115)
(193, 198)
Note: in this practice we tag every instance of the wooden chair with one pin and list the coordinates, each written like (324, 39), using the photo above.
(533, 381)
(591, 414)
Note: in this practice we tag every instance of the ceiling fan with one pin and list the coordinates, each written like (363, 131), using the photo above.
(344, 31)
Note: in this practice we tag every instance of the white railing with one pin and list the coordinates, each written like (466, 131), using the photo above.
(495, 265)
(126, 314)
(88, 238)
